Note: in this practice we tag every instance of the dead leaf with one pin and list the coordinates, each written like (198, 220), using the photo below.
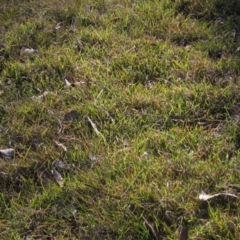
(28, 51)
(57, 176)
(238, 49)
(58, 26)
(68, 84)
(42, 96)
(72, 115)
(93, 158)
(7, 153)
(60, 164)
(231, 228)
(183, 233)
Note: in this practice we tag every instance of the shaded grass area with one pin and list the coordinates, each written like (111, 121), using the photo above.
(120, 114)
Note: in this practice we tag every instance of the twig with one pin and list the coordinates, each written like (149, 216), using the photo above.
(100, 93)
(150, 228)
(61, 145)
(132, 183)
(130, 49)
(95, 128)
(60, 125)
(96, 32)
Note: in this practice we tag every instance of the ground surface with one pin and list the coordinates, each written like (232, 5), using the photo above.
(120, 114)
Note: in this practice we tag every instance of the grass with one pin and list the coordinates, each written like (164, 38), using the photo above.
(120, 114)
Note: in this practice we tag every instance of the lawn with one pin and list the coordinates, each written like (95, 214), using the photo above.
(120, 119)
